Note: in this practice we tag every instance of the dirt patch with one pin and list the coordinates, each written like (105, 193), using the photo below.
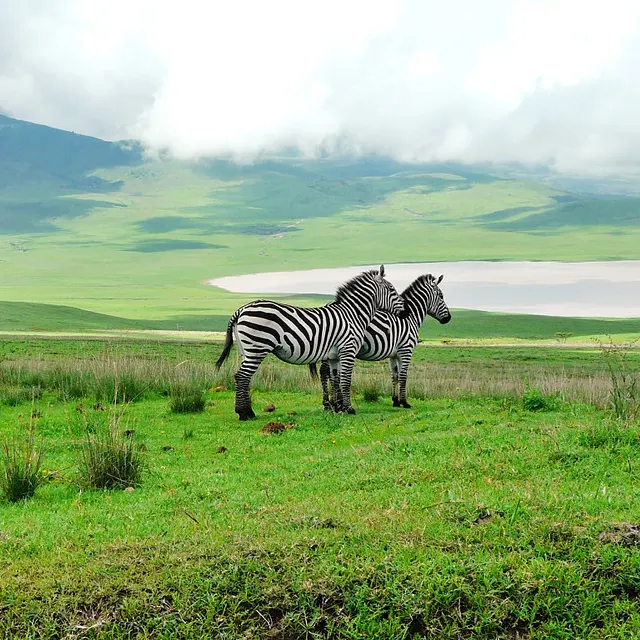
(624, 533)
(276, 427)
(270, 408)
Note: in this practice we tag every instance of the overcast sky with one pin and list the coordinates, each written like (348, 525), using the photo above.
(467, 80)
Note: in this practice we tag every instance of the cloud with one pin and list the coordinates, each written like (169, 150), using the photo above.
(502, 80)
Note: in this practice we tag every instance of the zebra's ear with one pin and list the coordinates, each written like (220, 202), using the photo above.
(439, 280)
(381, 272)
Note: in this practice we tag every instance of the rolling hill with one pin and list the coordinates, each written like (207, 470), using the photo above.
(94, 225)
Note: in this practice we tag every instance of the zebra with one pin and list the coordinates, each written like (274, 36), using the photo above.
(297, 335)
(392, 337)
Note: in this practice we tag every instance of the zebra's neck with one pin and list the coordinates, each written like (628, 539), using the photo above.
(417, 305)
(359, 306)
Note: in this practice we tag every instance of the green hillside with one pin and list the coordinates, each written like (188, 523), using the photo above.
(86, 223)
(20, 316)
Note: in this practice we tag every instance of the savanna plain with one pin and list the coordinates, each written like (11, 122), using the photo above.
(501, 505)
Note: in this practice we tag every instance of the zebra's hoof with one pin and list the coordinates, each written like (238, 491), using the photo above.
(246, 415)
(351, 411)
(405, 404)
(396, 403)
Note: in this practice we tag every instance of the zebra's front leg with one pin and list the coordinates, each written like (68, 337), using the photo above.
(346, 374)
(405, 360)
(325, 373)
(393, 367)
(243, 379)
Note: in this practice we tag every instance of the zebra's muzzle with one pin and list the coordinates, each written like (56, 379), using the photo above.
(446, 319)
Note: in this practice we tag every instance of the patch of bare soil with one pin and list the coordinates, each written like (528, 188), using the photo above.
(624, 533)
(276, 427)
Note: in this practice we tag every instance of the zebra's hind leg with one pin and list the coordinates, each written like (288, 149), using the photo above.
(336, 392)
(243, 377)
(325, 373)
(404, 359)
(393, 366)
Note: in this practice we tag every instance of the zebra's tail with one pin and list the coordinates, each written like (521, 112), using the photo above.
(313, 370)
(228, 343)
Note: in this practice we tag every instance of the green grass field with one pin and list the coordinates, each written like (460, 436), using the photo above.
(467, 516)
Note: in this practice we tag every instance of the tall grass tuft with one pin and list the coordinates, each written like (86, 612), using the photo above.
(534, 400)
(12, 396)
(110, 460)
(20, 476)
(370, 393)
(187, 396)
(624, 399)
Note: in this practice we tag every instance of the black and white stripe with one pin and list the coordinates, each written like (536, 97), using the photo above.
(334, 333)
(389, 336)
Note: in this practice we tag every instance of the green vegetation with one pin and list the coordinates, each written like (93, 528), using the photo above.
(85, 223)
(110, 458)
(20, 466)
(187, 396)
(465, 516)
(468, 325)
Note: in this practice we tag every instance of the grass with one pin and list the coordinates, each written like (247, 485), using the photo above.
(187, 396)
(110, 458)
(20, 466)
(468, 325)
(465, 516)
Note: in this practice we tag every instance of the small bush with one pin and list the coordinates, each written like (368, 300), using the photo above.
(187, 397)
(110, 460)
(187, 434)
(21, 468)
(535, 400)
(370, 394)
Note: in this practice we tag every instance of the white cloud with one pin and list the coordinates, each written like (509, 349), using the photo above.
(499, 80)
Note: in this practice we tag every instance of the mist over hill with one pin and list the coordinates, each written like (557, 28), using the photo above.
(101, 226)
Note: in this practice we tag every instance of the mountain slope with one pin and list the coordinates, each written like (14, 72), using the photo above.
(89, 224)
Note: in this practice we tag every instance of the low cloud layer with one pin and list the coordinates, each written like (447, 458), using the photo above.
(502, 80)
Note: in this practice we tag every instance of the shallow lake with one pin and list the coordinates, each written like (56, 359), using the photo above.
(585, 289)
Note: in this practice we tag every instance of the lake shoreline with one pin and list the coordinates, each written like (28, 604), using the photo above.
(593, 289)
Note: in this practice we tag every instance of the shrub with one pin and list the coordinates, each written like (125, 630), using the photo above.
(21, 475)
(187, 397)
(110, 459)
(535, 400)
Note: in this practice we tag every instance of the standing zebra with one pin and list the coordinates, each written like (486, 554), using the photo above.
(393, 337)
(297, 335)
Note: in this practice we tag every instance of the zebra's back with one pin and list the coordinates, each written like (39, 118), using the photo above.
(294, 334)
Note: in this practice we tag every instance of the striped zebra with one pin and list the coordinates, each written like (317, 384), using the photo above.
(389, 336)
(297, 335)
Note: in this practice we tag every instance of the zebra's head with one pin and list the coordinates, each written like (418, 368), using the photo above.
(387, 298)
(424, 296)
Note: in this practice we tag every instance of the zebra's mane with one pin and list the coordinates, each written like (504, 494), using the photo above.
(418, 283)
(348, 287)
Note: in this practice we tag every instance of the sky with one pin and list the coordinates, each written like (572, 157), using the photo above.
(534, 81)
